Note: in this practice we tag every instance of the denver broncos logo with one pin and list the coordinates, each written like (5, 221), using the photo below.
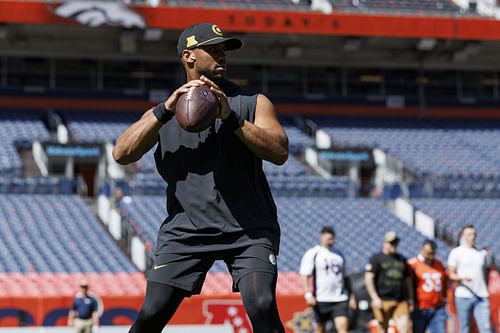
(95, 13)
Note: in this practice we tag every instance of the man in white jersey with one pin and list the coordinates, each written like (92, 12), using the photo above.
(469, 267)
(329, 297)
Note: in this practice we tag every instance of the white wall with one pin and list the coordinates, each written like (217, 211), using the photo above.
(404, 210)
(138, 253)
(323, 140)
(115, 224)
(424, 223)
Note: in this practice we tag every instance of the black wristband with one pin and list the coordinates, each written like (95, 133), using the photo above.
(233, 121)
(162, 114)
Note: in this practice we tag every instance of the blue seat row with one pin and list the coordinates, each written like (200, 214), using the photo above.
(360, 225)
(55, 233)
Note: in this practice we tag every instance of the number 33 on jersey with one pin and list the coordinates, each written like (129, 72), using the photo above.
(430, 282)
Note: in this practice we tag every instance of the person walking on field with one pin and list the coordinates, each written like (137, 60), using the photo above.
(331, 296)
(389, 285)
(468, 266)
(430, 283)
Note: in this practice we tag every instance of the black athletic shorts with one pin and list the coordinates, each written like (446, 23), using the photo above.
(324, 311)
(188, 271)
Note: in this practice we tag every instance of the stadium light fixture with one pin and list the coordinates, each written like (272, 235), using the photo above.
(426, 44)
(471, 48)
(128, 42)
(153, 35)
(293, 52)
(3, 31)
(352, 44)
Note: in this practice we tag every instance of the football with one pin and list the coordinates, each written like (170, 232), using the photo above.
(197, 109)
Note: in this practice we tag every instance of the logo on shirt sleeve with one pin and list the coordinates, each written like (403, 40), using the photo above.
(272, 259)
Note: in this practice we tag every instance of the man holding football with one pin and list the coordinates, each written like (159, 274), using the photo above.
(219, 203)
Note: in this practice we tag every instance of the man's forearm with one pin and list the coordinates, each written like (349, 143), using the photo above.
(267, 144)
(411, 293)
(452, 275)
(71, 317)
(137, 139)
(305, 283)
(370, 287)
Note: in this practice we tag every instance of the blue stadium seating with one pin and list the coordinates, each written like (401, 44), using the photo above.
(244, 4)
(359, 223)
(107, 126)
(413, 7)
(16, 127)
(55, 233)
(98, 126)
(450, 148)
(453, 214)
(38, 185)
(289, 179)
(297, 139)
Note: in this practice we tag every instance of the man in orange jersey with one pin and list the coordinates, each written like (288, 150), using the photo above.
(430, 282)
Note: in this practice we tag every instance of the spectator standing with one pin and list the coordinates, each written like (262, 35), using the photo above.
(325, 266)
(429, 281)
(389, 285)
(468, 266)
(83, 314)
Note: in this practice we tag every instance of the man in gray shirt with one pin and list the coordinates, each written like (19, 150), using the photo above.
(218, 200)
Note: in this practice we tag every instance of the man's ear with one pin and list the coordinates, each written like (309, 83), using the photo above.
(188, 57)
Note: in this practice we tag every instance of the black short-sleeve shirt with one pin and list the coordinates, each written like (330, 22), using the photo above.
(390, 275)
(217, 195)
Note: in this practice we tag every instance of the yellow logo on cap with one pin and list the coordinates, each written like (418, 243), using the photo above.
(217, 30)
(191, 40)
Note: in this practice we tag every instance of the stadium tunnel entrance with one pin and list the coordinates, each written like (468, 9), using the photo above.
(81, 162)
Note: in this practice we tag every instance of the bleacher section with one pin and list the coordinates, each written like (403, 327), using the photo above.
(297, 140)
(453, 214)
(55, 233)
(449, 152)
(38, 185)
(290, 179)
(16, 127)
(107, 126)
(98, 126)
(243, 4)
(359, 223)
(413, 7)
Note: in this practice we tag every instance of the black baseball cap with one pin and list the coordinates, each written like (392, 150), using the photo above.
(203, 34)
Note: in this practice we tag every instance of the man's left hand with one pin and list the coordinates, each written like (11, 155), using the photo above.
(224, 110)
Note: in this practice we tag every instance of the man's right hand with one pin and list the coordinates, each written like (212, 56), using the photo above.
(377, 303)
(310, 299)
(171, 102)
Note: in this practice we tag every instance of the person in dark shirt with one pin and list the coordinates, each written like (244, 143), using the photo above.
(83, 314)
(389, 285)
(219, 203)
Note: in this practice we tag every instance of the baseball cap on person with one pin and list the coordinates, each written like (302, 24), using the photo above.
(204, 34)
(391, 237)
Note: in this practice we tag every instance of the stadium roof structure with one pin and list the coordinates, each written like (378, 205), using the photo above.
(362, 24)
(371, 38)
